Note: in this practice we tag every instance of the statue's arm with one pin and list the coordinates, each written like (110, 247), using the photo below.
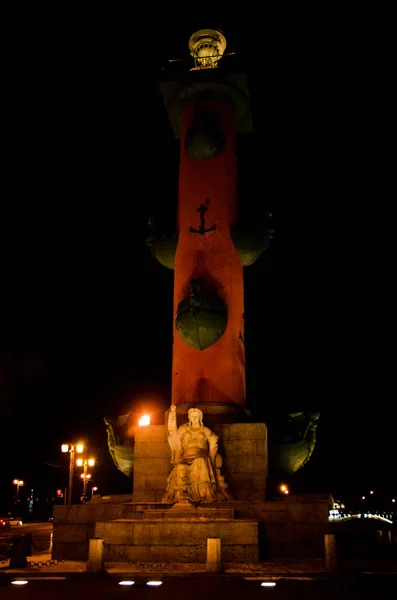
(174, 437)
(172, 427)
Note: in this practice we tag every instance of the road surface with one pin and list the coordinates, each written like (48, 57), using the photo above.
(41, 535)
(201, 588)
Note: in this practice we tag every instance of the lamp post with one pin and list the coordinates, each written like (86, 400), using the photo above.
(86, 462)
(71, 448)
(16, 499)
(93, 490)
(18, 482)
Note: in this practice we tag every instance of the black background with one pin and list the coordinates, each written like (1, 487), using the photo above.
(86, 328)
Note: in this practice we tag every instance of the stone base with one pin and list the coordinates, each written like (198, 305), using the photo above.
(178, 539)
(242, 446)
(289, 527)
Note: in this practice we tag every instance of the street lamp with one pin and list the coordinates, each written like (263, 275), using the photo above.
(93, 489)
(87, 462)
(18, 482)
(71, 448)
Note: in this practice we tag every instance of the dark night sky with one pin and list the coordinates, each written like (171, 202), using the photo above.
(86, 328)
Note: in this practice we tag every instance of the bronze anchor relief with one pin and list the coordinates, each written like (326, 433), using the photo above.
(201, 230)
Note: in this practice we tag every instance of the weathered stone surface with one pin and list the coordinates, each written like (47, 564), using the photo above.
(85, 513)
(182, 554)
(177, 533)
(73, 533)
(210, 513)
(244, 431)
(151, 434)
(214, 555)
(70, 551)
(308, 510)
(157, 466)
(152, 450)
(289, 527)
(246, 464)
(245, 447)
(146, 482)
(95, 556)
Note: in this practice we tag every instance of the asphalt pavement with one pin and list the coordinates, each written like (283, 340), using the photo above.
(199, 587)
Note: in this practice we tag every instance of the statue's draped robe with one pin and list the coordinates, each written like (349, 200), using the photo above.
(193, 452)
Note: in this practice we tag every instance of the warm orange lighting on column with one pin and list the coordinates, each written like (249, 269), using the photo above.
(144, 421)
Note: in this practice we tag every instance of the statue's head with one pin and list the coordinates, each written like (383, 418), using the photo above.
(195, 416)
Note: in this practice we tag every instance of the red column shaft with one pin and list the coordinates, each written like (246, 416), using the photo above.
(216, 374)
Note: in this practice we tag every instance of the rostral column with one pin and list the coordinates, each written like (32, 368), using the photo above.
(207, 108)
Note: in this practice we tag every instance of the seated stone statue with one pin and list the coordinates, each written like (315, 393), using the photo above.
(194, 452)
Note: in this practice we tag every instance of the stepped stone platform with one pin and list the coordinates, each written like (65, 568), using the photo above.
(249, 532)
(155, 532)
(178, 539)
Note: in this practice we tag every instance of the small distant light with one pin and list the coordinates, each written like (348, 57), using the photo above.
(362, 497)
(371, 492)
(65, 447)
(154, 583)
(393, 499)
(143, 421)
(268, 583)
(19, 582)
(126, 582)
(286, 492)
